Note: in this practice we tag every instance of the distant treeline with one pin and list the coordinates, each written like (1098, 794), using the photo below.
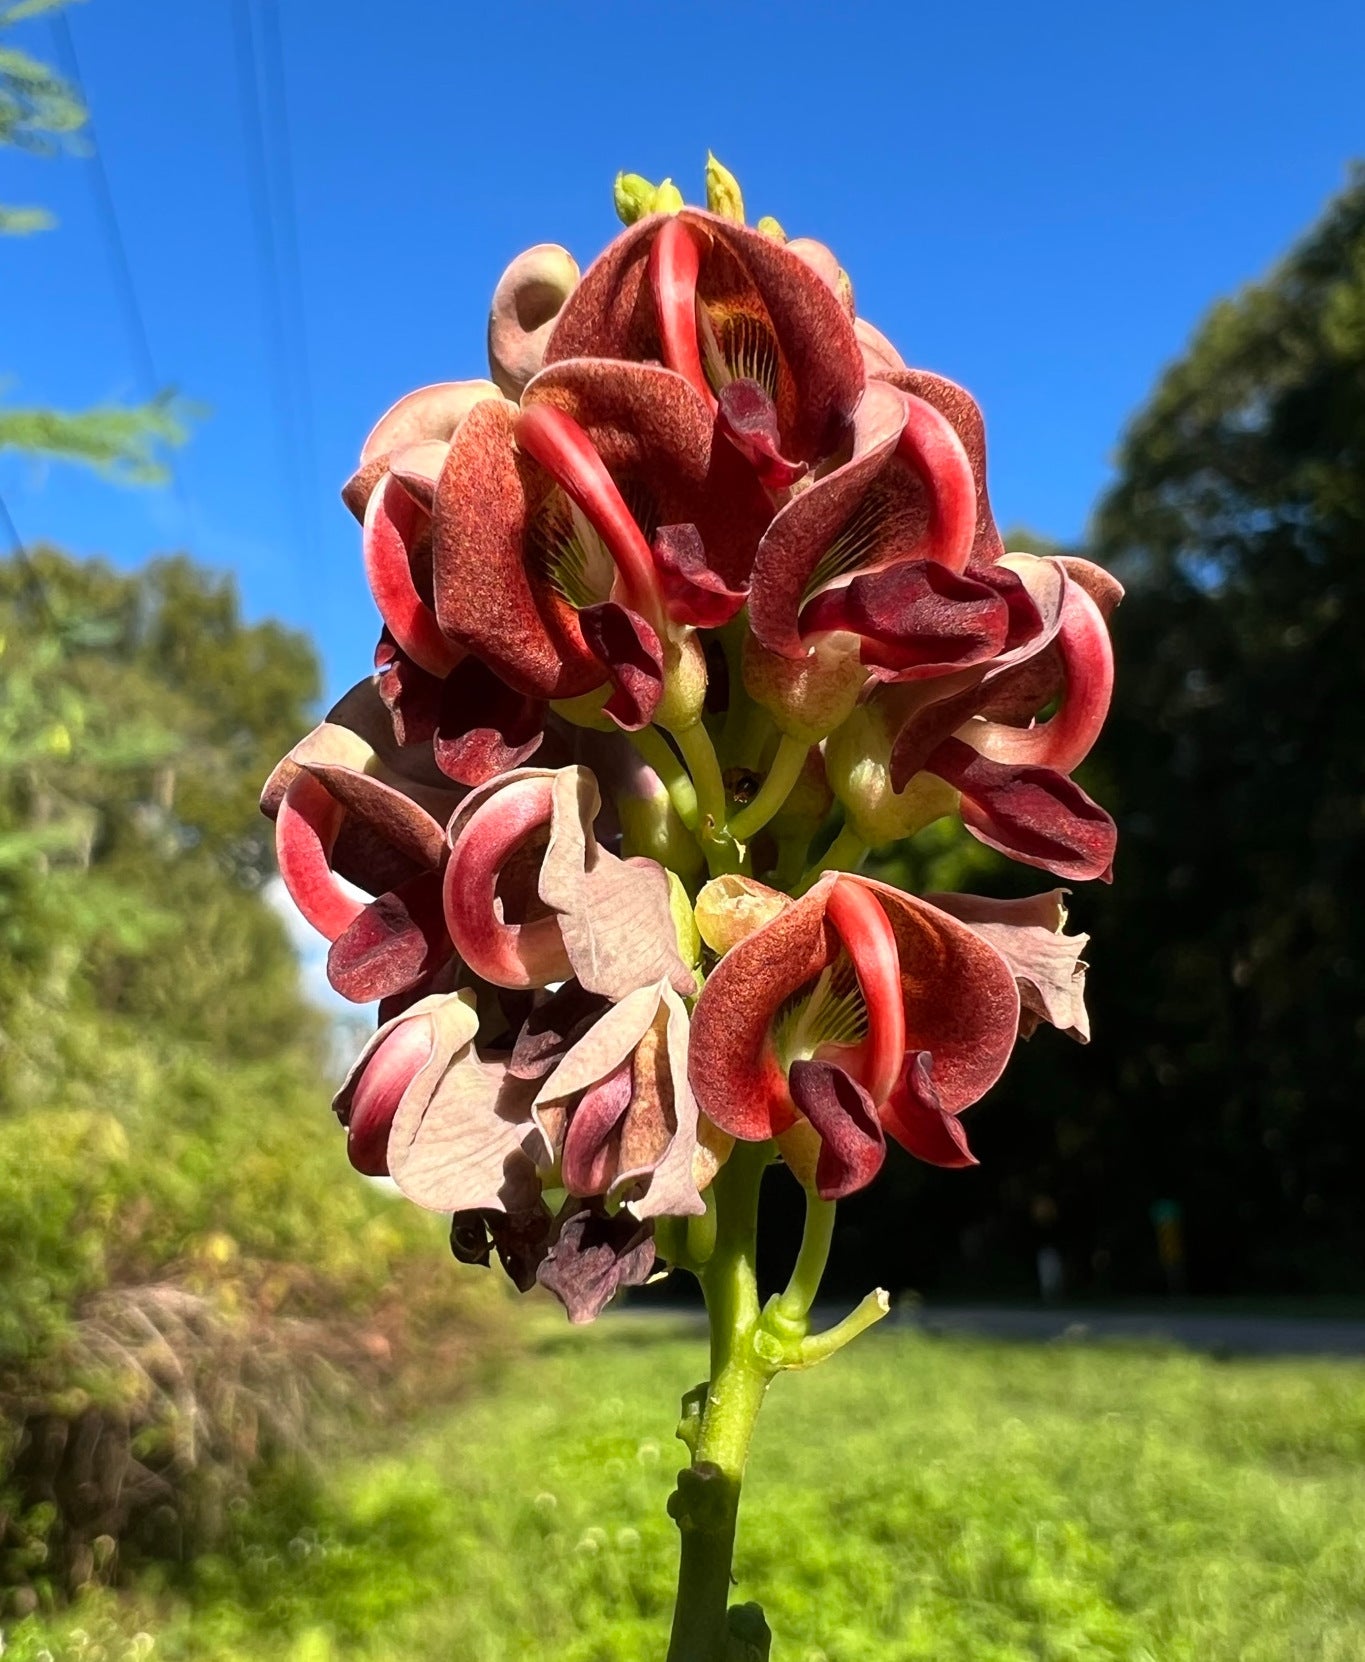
(1220, 1111)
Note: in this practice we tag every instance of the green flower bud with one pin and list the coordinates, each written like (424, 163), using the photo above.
(684, 683)
(586, 710)
(668, 199)
(858, 764)
(684, 922)
(723, 195)
(806, 697)
(771, 228)
(634, 197)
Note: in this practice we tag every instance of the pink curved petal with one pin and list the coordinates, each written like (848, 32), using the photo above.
(527, 954)
(1087, 661)
(306, 828)
(374, 1099)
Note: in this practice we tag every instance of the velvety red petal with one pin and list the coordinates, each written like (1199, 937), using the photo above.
(1032, 814)
(852, 1145)
(693, 593)
(916, 1118)
(633, 657)
(394, 942)
(487, 597)
(964, 413)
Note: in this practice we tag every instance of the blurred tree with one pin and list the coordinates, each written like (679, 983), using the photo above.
(1229, 955)
(43, 114)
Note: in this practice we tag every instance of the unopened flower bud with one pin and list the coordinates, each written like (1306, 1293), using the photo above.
(806, 697)
(723, 195)
(668, 199)
(684, 683)
(731, 907)
(633, 196)
(772, 228)
(858, 764)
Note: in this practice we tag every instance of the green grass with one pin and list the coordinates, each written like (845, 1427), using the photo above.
(926, 1499)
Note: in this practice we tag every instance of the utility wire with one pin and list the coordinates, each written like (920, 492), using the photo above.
(276, 102)
(268, 263)
(106, 212)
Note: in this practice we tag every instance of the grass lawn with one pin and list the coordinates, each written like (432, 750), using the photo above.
(915, 1498)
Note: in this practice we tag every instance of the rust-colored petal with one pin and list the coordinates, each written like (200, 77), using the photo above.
(964, 413)
(961, 1003)
(656, 439)
(739, 1082)
(693, 592)
(489, 596)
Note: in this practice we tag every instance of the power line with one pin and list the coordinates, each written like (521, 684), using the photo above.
(135, 321)
(276, 101)
(281, 358)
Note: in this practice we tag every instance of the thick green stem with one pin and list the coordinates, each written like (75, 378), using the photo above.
(655, 751)
(845, 853)
(792, 1307)
(719, 846)
(776, 788)
(706, 1505)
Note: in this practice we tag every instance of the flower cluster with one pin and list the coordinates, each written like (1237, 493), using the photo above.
(703, 568)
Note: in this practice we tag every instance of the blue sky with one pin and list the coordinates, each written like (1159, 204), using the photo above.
(1039, 201)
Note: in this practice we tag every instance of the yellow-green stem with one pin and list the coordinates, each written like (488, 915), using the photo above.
(776, 788)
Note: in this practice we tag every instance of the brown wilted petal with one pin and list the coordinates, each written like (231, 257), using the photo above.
(526, 302)
(593, 1257)
(1047, 964)
(463, 1138)
(615, 915)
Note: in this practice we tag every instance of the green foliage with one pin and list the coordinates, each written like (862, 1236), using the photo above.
(946, 1501)
(38, 110)
(168, 1166)
(123, 441)
(42, 113)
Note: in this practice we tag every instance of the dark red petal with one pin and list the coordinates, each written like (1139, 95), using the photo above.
(916, 617)
(1032, 814)
(395, 941)
(693, 593)
(852, 1146)
(588, 1163)
(484, 726)
(809, 524)
(633, 657)
(748, 418)
(915, 1118)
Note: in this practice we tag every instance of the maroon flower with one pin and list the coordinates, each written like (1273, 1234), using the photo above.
(749, 324)
(863, 1011)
